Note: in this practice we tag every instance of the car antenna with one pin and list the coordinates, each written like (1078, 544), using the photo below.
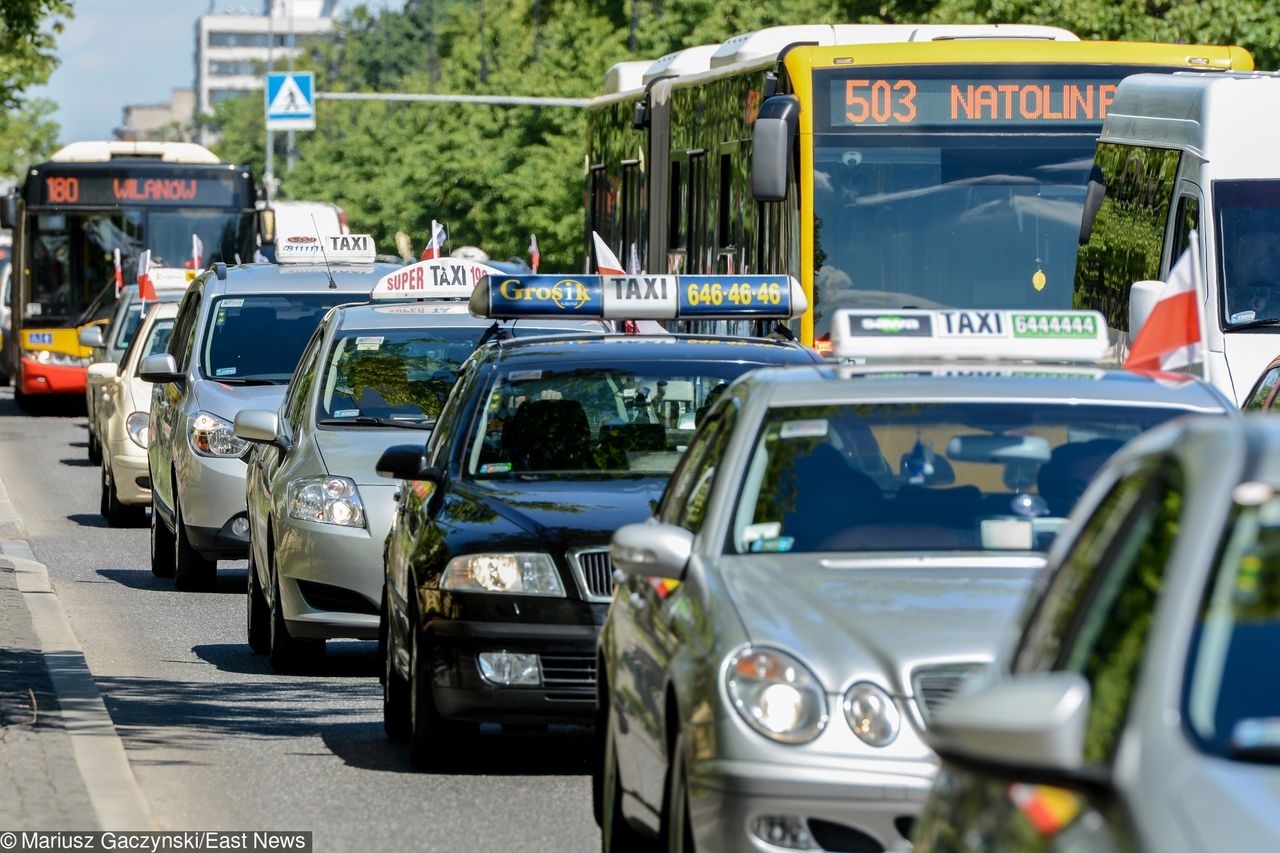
(333, 285)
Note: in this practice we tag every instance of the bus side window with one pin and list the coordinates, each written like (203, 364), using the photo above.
(631, 205)
(601, 203)
(1127, 239)
(677, 231)
(1186, 220)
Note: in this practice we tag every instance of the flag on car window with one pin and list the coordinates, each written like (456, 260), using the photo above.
(1170, 337)
(197, 251)
(535, 257)
(119, 272)
(607, 262)
(435, 246)
(146, 290)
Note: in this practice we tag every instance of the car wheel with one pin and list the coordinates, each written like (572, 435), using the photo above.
(258, 615)
(677, 829)
(617, 835)
(95, 449)
(161, 545)
(395, 689)
(192, 570)
(116, 513)
(287, 653)
(433, 740)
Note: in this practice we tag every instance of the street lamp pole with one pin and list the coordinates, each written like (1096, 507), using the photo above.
(268, 168)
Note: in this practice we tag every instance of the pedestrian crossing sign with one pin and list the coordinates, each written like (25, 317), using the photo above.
(291, 100)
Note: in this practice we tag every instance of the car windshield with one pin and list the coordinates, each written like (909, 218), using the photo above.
(1230, 708)
(925, 476)
(260, 337)
(1248, 221)
(594, 421)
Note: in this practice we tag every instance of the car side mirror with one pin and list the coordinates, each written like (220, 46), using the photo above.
(1032, 723)
(9, 211)
(260, 426)
(772, 142)
(1143, 296)
(102, 372)
(160, 369)
(407, 462)
(652, 550)
(91, 337)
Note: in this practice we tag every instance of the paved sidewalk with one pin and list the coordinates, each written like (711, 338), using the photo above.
(39, 777)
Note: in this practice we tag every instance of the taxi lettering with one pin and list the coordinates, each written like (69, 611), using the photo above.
(349, 243)
(640, 287)
(972, 323)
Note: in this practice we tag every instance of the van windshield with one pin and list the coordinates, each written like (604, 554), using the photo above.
(1247, 215)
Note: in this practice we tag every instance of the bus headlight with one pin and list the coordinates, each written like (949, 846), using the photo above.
(776, 694)
(61, 359)
(516, 574)
(326, 500)
(138, 425)
(212, 436)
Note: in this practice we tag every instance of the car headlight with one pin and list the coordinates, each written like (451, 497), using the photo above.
(516, 574)
(776, 694)
(327, 500)
(138, 425)
(872, 714)
(212, 436)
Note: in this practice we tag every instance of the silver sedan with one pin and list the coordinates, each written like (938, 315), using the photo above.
(372, 377)
(1138, 707)
(838, 551)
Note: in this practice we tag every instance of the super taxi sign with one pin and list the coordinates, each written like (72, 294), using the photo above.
(1079, 336)
(330, 248)
(435, 278)
(638, 297)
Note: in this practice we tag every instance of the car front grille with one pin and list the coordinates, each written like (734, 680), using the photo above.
(568, 677)
(594, 571)
(935, 686)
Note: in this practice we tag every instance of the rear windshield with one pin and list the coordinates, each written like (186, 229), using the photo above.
(925, 476)
(260, 337)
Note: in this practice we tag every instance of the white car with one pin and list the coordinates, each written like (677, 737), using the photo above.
(122, 419)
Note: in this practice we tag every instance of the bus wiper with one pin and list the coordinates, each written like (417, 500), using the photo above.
(1261, 322)
(249, 380)
(369, 420)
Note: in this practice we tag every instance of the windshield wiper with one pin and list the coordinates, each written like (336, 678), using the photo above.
(1253, 324)
(248, 380)
(369, 420)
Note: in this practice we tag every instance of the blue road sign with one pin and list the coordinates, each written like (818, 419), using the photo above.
(291, 100)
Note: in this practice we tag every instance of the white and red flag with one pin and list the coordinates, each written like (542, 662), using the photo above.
(146, 290)
(535, 257)
(197, 251)
(1170, 338)
(435, 245)
(119, 272)
(607, 262)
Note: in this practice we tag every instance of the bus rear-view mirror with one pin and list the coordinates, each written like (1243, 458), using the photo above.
(771, 147)
(9, 211)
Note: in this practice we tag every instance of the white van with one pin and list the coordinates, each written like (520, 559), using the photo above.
(1180, 153)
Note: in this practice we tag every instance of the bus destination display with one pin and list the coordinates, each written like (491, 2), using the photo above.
(906, 102)
(104, 189)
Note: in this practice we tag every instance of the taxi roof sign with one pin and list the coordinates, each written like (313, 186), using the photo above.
(329, 248)
(945, 334)
(170, 278)
(638, 297)
(435, 278)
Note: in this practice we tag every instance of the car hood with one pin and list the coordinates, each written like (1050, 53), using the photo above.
(226, 401)
(354, 452)
(879, 617)
(564, 514)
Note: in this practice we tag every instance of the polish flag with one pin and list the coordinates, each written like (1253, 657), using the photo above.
(535, 257)
(435, 246)
(119, 272)
(197, 250)
(607, 262)
(1170, 338)
(146, 290)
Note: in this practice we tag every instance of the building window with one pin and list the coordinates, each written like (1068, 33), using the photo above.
(219, 95)
(236, 69)
(223, 39)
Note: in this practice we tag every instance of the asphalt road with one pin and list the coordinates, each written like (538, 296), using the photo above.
(217, 741)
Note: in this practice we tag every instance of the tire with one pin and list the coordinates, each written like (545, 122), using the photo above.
(192, 571)
(395, 690)
(117, 514)
(161, 545)
(433, 740)
(286, 653)
(616, 834)
(677, 829)
(95, 449)
(257, 613)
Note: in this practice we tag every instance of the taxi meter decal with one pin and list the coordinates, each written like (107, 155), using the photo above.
(329, 248)
(1019, 335)
(442, 278)
(638, 297)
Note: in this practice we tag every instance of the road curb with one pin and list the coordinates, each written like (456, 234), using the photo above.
(99, 752)
(11, 526)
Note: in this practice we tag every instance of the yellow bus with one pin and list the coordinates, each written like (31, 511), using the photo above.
(885, 168)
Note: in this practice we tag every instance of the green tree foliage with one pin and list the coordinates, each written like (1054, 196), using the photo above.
(27, 135)
(28, 30)
(496, 174)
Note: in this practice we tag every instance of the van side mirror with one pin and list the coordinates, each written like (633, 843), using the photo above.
(160, 369)
(1143, 296)
(90, 336)
(1094, 194)
(772, 143)
(652, 550)
(9, 211)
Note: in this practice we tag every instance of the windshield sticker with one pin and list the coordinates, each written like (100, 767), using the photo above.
(225, 371)
(816, 428)
(232, 303)
(773, 545)
(1256, 733)
(371, 342)
(523, 375)
(762, 530)
(1242, 317)
(495, 468)
(346, 413)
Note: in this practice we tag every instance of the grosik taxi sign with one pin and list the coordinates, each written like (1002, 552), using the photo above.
(436, 278)
(639, 297)
(1054, 336)
(330, 248)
